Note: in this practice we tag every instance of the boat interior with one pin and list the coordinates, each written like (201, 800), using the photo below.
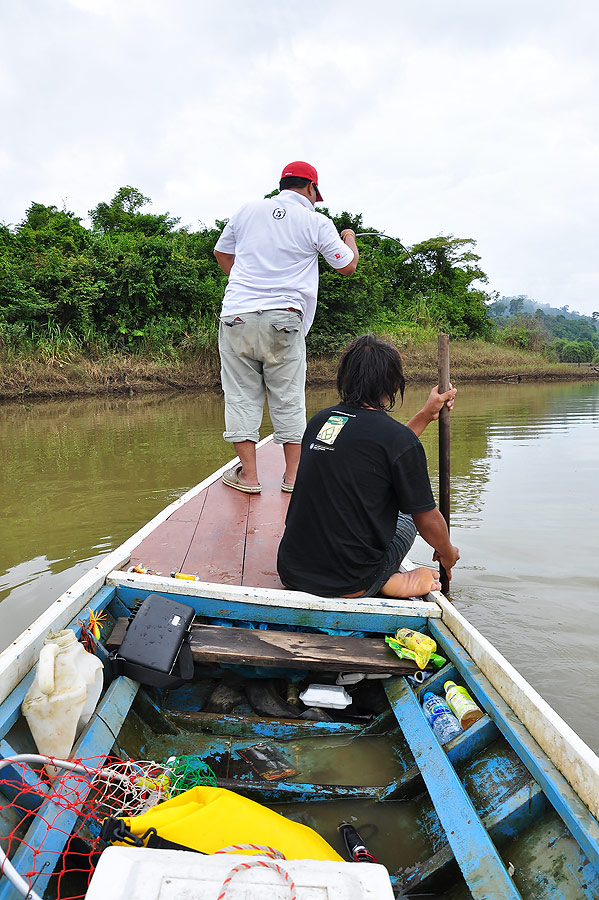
(486, 815)
(441, 819)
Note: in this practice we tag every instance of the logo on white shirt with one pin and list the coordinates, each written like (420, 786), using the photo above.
(279, 212)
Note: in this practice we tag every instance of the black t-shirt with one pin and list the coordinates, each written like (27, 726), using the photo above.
(358, 469)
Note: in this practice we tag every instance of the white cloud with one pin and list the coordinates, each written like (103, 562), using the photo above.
(476, 120)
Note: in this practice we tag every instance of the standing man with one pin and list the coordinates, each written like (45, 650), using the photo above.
(269, 249)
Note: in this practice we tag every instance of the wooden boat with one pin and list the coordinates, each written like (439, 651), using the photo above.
(506, 809)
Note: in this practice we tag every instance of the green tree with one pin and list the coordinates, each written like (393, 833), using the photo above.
(446, 269)
(497, 309)
(46, 227)
(123, 214)
(44, 269)
(516, 306)
(524, 332)
(571, 352)
(555, 348)
(134, 279)
(587, 350)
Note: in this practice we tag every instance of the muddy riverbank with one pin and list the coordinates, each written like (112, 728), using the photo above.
(24, 379)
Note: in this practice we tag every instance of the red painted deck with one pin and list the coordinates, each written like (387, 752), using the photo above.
(223, 535)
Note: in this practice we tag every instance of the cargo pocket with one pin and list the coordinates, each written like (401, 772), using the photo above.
(232, 334)
(286, 336)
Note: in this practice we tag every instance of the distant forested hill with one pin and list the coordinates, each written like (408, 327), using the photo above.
(563, 333)
(521, 304)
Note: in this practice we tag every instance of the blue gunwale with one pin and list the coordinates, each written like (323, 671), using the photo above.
(381, 623)
(563, 798)
(474, 851)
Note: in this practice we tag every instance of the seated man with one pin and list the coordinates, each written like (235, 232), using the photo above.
(363, 488)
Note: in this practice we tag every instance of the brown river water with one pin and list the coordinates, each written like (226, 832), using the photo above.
(77, 478)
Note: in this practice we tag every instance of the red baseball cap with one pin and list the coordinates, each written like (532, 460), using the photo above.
(302, 170)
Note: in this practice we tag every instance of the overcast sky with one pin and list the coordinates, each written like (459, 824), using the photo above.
(477, 119)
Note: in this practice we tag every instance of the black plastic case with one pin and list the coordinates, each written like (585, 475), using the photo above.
(156, 632)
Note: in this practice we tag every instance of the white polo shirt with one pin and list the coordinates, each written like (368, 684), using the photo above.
(276, 243)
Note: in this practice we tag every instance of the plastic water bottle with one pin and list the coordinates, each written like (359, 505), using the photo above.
(440, 717)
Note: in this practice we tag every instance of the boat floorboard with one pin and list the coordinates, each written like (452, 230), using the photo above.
(222, 535)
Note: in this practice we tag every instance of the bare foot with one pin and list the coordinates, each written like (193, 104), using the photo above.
(415, 583)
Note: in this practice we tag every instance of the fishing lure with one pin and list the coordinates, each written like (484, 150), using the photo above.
(96, 621)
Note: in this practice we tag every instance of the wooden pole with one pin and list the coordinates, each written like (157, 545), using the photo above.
(444, 455)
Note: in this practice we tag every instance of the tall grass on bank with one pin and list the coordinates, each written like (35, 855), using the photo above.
(473, 360)
(49, 361)
(52, 362)
(167, 338)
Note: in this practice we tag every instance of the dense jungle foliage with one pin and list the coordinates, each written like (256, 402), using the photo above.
(137, 281)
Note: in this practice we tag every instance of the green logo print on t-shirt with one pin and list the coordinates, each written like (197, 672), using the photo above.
(330, 430)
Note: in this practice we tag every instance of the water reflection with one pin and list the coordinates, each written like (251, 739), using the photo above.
(77, 478)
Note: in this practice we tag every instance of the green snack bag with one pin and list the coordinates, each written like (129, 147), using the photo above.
(402, 652)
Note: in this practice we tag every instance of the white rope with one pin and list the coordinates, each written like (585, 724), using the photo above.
(255, 863)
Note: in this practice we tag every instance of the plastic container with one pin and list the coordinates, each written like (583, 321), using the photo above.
(138, 873)
(462, 705)
(419, 643)
(65, 691)
(440, 717)
(329, 696)
(354, 677)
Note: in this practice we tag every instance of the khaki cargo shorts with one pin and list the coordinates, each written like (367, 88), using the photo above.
(263, 353)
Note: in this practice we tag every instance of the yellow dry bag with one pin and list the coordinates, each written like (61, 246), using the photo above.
(210, 818)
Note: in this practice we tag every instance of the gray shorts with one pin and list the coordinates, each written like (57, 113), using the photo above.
(262, 353)
(401, 543)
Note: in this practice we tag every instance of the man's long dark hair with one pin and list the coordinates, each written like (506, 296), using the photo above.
(370, 373)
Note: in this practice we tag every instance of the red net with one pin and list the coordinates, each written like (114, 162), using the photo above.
(53, 826)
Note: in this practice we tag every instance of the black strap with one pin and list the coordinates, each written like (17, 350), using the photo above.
(113, 830)
(156, 842)
(151, 677)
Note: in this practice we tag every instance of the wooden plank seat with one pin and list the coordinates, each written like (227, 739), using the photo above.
(284, 649)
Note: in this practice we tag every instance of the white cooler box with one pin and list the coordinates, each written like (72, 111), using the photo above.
(137, 873)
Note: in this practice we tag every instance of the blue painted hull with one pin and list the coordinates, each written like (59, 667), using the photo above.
(488, 816)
